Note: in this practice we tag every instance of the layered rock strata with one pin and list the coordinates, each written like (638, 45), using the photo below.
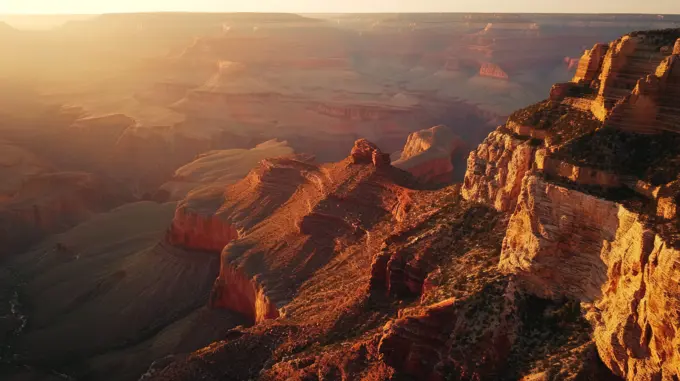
(495, 170)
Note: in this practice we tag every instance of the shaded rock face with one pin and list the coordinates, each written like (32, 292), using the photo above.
(200, 231)
(221, 167)
(234, 291)
(50, 203)
(495, 170)
(418, 342)
(429, 154)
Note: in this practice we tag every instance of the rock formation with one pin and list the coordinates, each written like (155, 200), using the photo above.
(429, 154)
(495, 170)
(492, 71)
(52, 202)
(556, 259)
(301, 208)
(590, 64)
(594, 222)
(221, 167)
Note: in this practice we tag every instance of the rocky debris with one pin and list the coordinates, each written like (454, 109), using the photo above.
(428, 154)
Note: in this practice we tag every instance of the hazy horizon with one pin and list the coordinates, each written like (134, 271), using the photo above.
(96, 7)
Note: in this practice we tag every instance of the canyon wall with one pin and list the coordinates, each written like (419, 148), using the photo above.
(234, 291)
(200, 230)
(564, 243)
(495, 170)
(429, 154)
(590, 64)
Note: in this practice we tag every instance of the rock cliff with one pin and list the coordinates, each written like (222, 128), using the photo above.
(492, 71)
(593, 221)
(221, 167)
(51, 202)
(429, 154)
(564, 243)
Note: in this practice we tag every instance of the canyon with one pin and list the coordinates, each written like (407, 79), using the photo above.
(263, 196)
(553, 260)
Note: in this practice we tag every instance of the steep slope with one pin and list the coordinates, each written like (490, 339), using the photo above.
(429, 154)
(351, 275)
(114, 271)
(221, 168)
(292, 201)
(596, 219)
(556, 259)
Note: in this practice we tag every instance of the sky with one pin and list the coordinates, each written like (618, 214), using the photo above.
(329, 6)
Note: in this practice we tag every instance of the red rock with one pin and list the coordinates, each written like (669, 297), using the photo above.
(362, 152)
(493, 71)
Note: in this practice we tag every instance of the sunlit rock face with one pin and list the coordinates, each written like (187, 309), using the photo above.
(594, 220)
(564, 243)
(555, 259)
(495, 170)
(429, 154)
(291, 200)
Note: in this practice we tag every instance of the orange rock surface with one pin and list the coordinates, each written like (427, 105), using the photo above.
(495, 171)
(429, 154)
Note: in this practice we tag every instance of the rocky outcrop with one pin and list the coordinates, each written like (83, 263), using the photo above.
(429, 154)
(492, 71)
(52, 202)
(590, 64)
(613, 72)
(535, 248)
(234, 291)
(221, 167)
(495, 170)
(286, 199)
(650, 108)
(366, 152)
